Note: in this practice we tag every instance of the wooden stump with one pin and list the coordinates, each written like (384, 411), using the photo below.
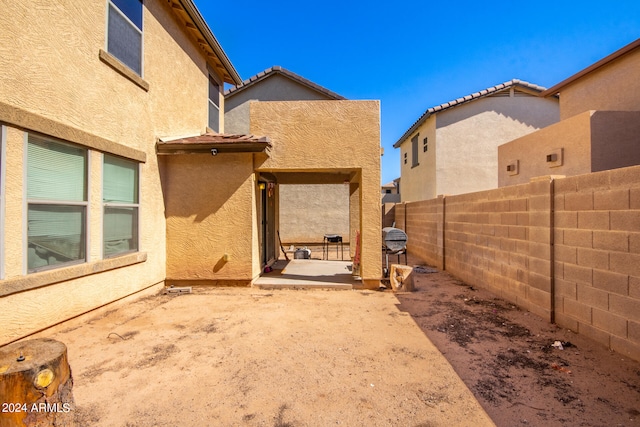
(401, 278)
(35, 384)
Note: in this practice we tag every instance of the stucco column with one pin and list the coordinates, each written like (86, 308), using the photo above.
(370, 230)
(354, 216)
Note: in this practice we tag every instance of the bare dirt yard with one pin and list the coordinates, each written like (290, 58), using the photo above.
(244, 356)
(507, 358)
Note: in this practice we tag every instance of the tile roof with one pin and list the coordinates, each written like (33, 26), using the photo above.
(472, 97)
(223, 143)
(282, 71)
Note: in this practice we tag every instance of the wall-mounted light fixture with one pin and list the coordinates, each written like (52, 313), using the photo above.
(513, 167)
(262, 186)
(214, 151)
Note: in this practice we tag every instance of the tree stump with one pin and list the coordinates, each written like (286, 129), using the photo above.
(35, 384)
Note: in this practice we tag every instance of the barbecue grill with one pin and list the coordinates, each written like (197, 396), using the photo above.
(394, 242)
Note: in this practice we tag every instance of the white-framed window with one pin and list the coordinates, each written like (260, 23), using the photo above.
(124, 32)
(3, 156)
(214, 105)
(120, 198)
(57, 195)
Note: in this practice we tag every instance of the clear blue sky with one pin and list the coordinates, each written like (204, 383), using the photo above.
(412, 55)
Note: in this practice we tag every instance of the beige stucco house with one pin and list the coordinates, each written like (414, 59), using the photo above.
(306, 211)
(452, 148)
(116, 174)
(599, 127)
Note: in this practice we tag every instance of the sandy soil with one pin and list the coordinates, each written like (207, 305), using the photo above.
(243, 356)
(507, 358)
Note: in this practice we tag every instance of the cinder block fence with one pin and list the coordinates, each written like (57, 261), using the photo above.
(566, 249)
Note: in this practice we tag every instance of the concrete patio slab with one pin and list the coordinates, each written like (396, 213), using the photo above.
(308, 274)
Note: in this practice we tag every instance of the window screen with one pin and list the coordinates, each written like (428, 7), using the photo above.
(214, 105)
(120, 198)
(124, 32)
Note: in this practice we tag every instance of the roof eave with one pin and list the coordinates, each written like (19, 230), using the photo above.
(554, 90)
(197, 18)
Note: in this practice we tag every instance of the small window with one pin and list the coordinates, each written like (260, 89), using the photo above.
(387, 191)
(425, 145)
(414, 151)
(214, 105)
(56, 204)
(120, 199)
(405, 158)
(124, 32)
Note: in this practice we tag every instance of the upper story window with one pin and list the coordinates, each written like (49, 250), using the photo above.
(120, 199)
(214, 105)
(414, 151)
(425, 145)
(124, 32)
(56, 203)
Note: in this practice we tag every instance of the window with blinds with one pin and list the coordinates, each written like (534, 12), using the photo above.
(124, 32)
(56, 203)
(120, 198)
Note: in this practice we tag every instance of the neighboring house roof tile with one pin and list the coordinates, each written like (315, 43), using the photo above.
(282, 71)
(223, 143)
(468, 98)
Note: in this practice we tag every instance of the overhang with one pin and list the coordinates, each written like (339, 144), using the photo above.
(214, 143)
(604, 61)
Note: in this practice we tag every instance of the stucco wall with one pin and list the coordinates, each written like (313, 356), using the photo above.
(419, 182)
(54, 81)
(308, 212)
(615, 87)
(330, 136)
(210, 211)
(573, 136)
(462, 152)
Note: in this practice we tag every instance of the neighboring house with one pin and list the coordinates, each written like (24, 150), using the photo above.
(116, 176)
(306, 211)
(599, 127)
(390, 194)
(391, 191)
(452, 148)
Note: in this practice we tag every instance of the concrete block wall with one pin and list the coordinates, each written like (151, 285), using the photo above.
(566, 249)
(489, 240)
(597, 257)
(424, 221)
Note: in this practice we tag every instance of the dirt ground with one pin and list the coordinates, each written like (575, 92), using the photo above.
(244, 356)
(507, 358)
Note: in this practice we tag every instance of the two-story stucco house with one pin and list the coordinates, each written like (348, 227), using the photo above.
(599, 127)
(116, 174)
(453, 147)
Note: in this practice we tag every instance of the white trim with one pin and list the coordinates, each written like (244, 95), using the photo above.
(101, 252)
(3, 162)
(87, 213)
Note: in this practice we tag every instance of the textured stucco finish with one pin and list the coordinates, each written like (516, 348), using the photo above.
(591, 141)
(615, 86)
(308, 212)
(330, 136)
(210, 210)
(462, 155)
(56, 75)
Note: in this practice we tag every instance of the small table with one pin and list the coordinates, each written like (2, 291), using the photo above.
(328, 239)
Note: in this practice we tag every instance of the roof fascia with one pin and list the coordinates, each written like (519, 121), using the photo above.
(604, 61)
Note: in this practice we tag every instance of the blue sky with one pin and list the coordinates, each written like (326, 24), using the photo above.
(412, 55)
